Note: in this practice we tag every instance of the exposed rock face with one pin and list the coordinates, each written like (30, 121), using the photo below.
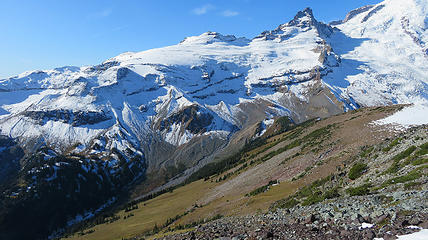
(304, 21)
(75, 119)
(192, 120)
(352, 14)
(372, 12)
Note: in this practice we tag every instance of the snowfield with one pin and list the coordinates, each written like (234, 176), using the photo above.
(410, 116)
(421, 235)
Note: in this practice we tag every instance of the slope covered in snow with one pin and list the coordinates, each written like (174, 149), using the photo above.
(145, 94)
(384, 54)
(213, 85)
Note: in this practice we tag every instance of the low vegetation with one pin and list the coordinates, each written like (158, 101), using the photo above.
(262, 189)
(326, 188)
(404, 153)
(394, 143)
(193, 224)
(357, 170)
(311, 194)
(395, 167)
(366, 151)
(360, 190)
(413, 175)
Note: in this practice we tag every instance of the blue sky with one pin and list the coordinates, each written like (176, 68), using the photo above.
(52, 33)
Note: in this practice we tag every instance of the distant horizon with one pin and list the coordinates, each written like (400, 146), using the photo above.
(53, 34)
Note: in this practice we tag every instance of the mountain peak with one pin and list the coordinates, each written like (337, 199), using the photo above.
(303, 18)
(212, 37)
(307, 11)
(304, 21)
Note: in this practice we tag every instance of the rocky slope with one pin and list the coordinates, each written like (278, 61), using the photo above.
(156, 113)
(382, 194)
(283, 225)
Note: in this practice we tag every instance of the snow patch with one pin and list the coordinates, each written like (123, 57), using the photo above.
(421, 235)
(365, 225)
(409, 116)
(414, 227)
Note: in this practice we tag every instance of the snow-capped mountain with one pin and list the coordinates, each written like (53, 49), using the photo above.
(198, 87)
(205, 85)
(213, 85)
(384, 53)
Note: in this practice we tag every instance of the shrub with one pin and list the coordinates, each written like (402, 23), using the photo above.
(413, 175)
(332, 193)
(366, 151)
(304, 192)
(404, 153)
(357, 170)
(289, 203)
(360, 190)
(423, 149)
(411, 185)
(394, 168)
(391, 145)
(420, 161)
(262, 189)
(315, 198)
(397, 158)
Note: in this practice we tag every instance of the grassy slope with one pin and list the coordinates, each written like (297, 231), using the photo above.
(318, 157)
